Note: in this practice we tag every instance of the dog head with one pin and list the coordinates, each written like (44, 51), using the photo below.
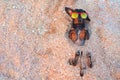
(78, 15)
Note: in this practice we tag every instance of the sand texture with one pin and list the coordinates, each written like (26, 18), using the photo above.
(34, 43)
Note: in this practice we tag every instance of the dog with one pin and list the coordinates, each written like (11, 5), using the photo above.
(78, 33)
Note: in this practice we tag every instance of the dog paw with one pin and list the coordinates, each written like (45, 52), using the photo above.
(89, 61)
(73, 35)
(72, 62)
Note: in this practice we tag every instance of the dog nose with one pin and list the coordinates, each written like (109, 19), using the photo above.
(80, 20)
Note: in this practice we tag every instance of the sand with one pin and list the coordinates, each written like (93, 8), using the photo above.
(34, 43)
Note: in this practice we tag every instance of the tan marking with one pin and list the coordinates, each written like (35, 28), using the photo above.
(82, 34)
(73, 35)
(76, 21)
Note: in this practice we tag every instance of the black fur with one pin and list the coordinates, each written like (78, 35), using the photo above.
(81, 22)
(77, 26)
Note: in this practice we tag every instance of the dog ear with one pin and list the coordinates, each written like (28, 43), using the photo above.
(88, 18)
(68, 10)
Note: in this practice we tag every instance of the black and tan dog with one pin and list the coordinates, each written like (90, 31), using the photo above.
(78, 33)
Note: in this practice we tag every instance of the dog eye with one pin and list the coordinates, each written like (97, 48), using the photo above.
(84, 15)
(74, 15)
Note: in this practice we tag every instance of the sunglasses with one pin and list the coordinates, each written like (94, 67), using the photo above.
(75, 15)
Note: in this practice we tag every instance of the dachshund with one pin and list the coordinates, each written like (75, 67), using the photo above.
(78, 32)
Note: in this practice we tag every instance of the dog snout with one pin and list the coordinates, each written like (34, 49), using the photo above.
(80, 20)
